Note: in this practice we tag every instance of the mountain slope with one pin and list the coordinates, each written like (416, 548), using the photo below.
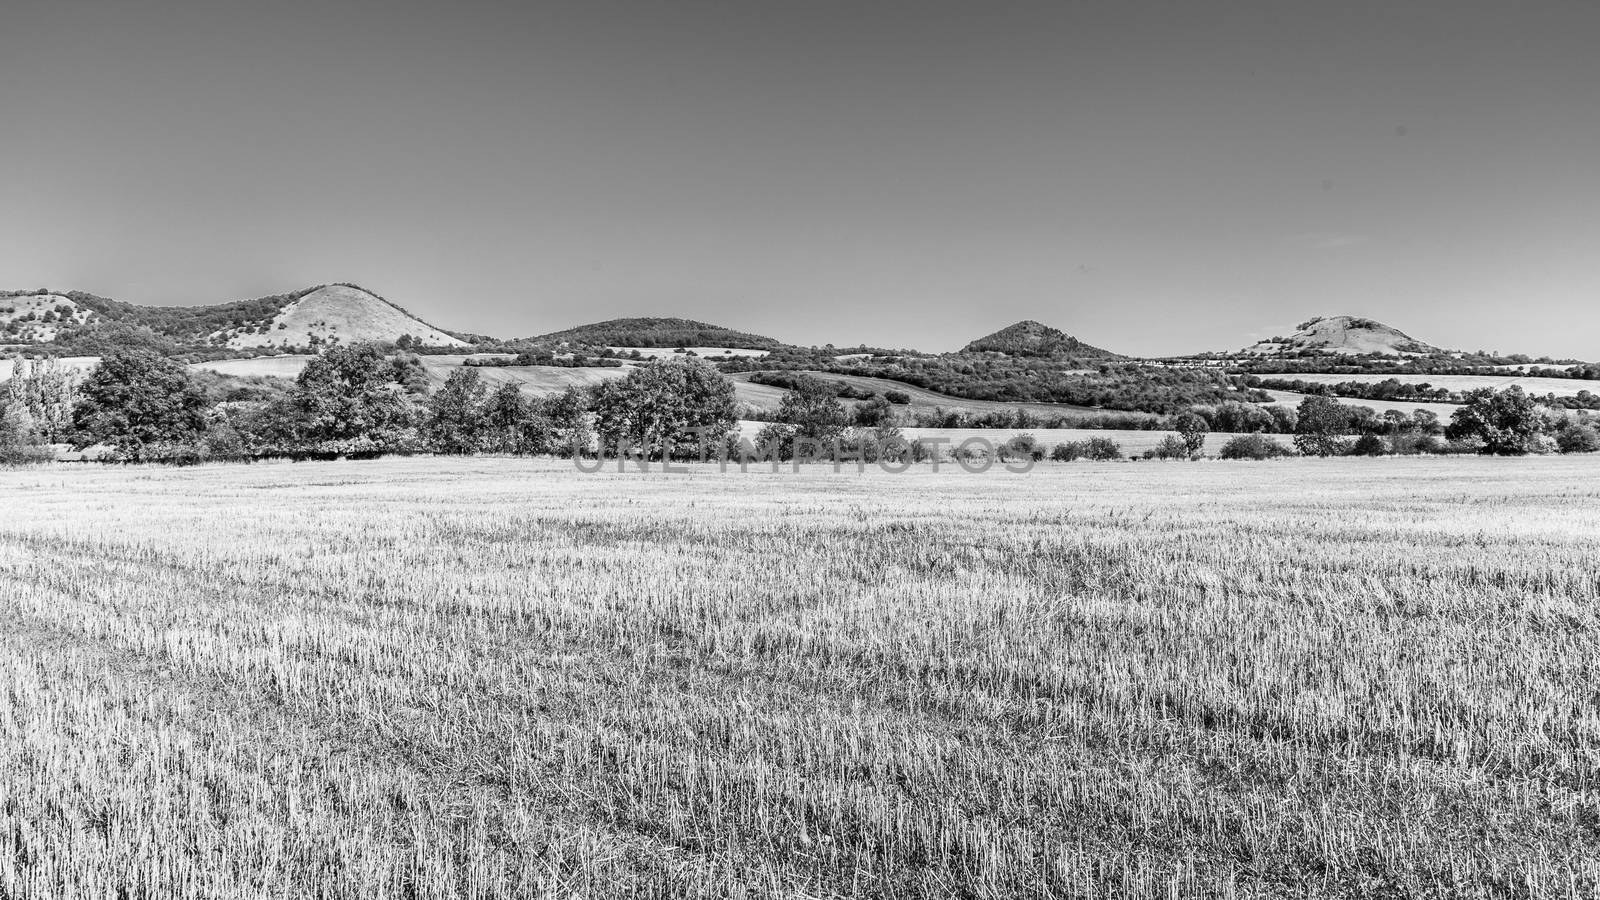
(1347, 335)
(335, 313)
(37, 317)
(658, 332)
(1030, 338)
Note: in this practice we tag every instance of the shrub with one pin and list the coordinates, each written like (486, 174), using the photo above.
(1368, 445)
(1101, 448)
(1253, 446)
(1171, 447)
(1067, 452)
(1578, 439)
(899, 398)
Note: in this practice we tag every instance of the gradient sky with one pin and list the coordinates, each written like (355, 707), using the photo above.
(1152, 177)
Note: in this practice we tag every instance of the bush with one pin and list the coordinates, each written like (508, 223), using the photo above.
(899, 398)
(1578, 439)
(1171, 447)
(1067, 452)
(1253, 446)
(1368, 445)
(1102, 449)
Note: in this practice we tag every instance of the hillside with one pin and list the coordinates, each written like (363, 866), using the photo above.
(1030, 338)
(335, 314)
(37, 317)
(339, 313)
(1346, 335)
(658, 332)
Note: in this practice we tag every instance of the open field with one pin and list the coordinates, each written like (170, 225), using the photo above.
(495, 677)
(767, 397)
(1133, 443)
(1561, 387)
(713, 352)
(1443, 410)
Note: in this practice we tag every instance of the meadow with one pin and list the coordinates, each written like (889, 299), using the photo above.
(498, 678)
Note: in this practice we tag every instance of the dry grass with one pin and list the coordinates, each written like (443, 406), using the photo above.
(497, 678)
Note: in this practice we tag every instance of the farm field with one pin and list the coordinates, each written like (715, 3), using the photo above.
(1561, 387)
(1132, 442)
(1443, 410)
(713, 352)
(766, 397)
(497, 677)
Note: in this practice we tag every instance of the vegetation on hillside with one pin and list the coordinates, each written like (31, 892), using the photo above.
(656, 332)
(1029, 338)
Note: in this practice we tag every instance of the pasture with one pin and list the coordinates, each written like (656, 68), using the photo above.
(434, 678)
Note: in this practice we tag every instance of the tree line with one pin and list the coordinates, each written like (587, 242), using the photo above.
(363, 400)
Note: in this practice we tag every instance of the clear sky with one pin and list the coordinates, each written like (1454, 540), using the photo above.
(1152, 177)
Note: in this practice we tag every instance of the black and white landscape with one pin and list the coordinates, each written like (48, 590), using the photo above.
(799, 450)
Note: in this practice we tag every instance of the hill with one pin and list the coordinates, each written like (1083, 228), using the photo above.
(658, 332)
(337, 313)
(1030, 338)
(1348, 335)
(37, 317)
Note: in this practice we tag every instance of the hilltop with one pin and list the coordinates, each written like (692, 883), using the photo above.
(337, 313)
(1346, 335)
(1030, 338)
(658, 332)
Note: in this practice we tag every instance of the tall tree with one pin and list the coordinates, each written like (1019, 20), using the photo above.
(666, 403)
(139, 404)
(47, 391)
(1192, 428)
(1320, 425)
(455, 421)
(1508, 422)
(351, 401)
(814, 411)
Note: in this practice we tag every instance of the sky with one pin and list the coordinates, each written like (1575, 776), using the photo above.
(1152, 177)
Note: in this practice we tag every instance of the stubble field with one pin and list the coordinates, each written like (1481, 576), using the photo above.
(495, 677)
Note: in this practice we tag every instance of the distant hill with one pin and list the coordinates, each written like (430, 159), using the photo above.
(337, 313)
(1030, 338)
(37, 317)
(1346, 335)
(658, 332)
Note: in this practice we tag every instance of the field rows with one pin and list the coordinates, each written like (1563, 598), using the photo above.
(497, 677)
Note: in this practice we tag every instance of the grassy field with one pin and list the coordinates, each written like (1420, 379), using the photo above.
(1561, 387)
(494, 677)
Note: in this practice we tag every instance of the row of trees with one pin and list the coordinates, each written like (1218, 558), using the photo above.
(362, 401)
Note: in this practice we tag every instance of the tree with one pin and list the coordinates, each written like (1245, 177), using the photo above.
(139, 404)
(46, 392)
(1101, 448)
(1320, 423)
(1171, 447)
(1368, 445)
(874, 413)
(568, 417)
(1193, 429)
(814, 411)
(1508, 422)
(1576, 438)
(664, 404)
(1253, 446)
(455, 421)
(513, 423)
(351, 400)
(19, 442)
